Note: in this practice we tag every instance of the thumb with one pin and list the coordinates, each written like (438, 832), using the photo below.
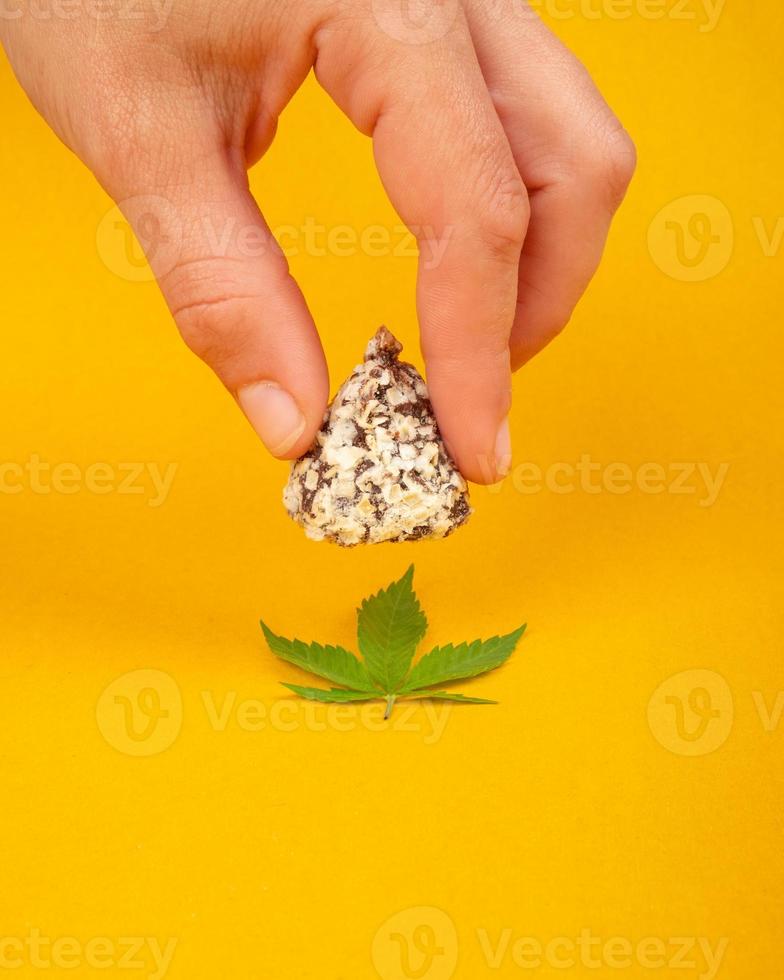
(228, 287)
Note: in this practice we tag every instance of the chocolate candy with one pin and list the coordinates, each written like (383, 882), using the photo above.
(378, 470)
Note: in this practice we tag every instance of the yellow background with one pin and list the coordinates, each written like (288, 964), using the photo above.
(282, 852)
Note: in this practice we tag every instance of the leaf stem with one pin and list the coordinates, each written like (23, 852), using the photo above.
(390, 703)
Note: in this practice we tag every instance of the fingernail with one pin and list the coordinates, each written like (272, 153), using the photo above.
(503, 450)
(274, 415)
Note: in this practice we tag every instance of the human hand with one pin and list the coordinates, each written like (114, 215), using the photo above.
(487, 133)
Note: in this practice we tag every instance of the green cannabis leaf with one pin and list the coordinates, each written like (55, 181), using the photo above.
(390, 626)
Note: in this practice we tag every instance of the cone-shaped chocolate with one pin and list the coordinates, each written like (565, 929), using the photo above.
(378, 470)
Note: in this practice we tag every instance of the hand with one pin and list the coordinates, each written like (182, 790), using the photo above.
(485, 130)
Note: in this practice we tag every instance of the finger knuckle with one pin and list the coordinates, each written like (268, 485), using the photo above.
(210, 307)
(611, 162)
(622, 162)
(503, 216)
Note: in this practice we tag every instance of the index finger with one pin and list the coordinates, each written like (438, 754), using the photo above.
(448, 168)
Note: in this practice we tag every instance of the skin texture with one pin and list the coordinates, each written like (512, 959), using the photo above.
(486, 131)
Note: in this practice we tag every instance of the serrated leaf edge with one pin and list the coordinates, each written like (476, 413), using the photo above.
(516, 634)
(270, 637)
(303, 691)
